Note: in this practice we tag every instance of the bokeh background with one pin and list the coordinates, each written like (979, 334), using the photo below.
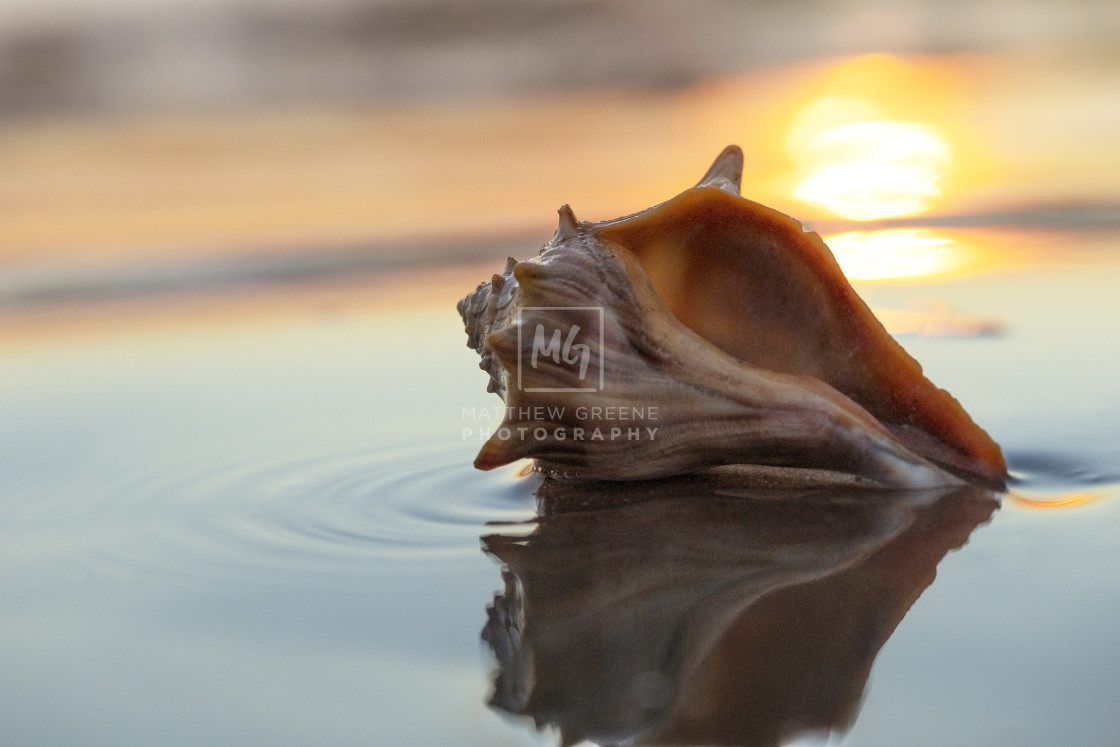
(149, 146)
(237, 414)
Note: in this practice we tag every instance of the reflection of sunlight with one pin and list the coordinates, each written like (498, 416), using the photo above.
(894, 253)
(1066, 501)
(861, 165)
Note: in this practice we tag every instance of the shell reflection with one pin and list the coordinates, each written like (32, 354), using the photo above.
(639, 614)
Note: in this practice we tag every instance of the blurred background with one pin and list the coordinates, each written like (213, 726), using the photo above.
(149, 146)
(238, 414)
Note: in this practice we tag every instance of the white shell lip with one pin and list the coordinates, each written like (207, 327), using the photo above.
(727, 333)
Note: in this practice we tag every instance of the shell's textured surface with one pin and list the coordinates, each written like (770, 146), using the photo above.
(707, 330)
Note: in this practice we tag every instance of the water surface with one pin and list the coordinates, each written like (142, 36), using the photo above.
(265, 529)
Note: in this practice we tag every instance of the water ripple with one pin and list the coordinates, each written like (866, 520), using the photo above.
(1050, 469)
(425, 505)
(267, 511)
(193, 519)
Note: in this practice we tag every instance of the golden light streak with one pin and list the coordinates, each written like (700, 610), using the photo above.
(894, 253)
(1066, 501)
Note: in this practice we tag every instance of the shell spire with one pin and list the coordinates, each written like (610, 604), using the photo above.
(726, 171)
(569, 226)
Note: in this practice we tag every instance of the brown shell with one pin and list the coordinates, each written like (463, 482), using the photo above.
(737, 328)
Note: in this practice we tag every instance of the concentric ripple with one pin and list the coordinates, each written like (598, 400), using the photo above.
(1061, 480)
(1061, 469)
(418, 505)
(281, 509)
(190, 519)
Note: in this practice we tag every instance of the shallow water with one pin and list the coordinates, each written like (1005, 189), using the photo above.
(268, 531)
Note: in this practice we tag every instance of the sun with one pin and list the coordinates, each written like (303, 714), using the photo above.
(861, 165)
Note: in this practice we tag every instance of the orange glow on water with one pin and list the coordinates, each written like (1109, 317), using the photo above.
(894, 253)
(1066, 501)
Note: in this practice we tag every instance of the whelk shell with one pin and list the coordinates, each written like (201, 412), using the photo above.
(708, 330)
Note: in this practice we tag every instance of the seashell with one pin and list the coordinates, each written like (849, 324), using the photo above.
(708, 331)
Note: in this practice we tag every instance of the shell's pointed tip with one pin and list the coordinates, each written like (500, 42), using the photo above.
(568, 223)
(484, 464)
(493, 454)
(726, 172)
(526, 273)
